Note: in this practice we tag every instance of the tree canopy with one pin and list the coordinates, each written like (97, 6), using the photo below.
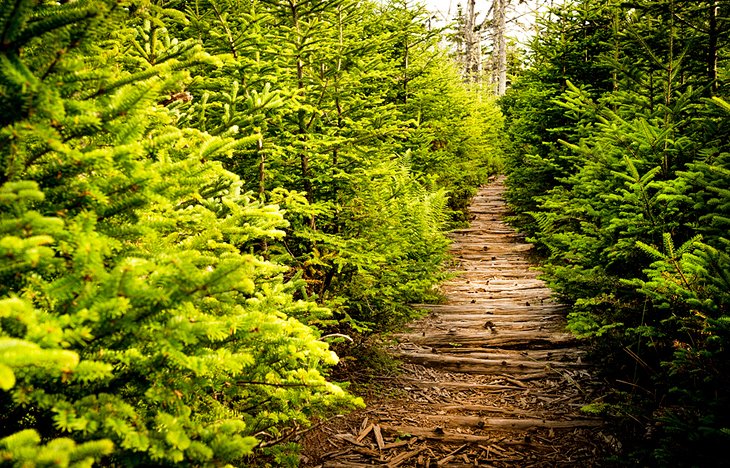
(199, 197)
(194, 194)
(618, 171)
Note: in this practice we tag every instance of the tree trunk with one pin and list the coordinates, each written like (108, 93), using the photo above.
(472, 43)
(712, 48)
(500, 43)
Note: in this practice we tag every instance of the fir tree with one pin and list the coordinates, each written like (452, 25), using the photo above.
(327, 80)
(142, 316)
(626, 188)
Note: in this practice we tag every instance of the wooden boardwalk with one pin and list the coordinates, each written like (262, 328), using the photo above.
(489, 378)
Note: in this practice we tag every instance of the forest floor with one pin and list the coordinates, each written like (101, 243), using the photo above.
(490, 377)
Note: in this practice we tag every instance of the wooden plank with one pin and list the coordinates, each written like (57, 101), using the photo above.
(507, 424)
(448, 437)
(404, 457)
(492, 388)
(513, 340)
(520, 369)
(484, 359)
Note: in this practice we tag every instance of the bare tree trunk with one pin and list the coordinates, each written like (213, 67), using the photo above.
(500, 43)
(472, 45)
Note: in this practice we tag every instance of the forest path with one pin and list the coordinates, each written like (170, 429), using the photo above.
(489, 378)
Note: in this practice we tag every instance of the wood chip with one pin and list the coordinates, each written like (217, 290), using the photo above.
(393, 445)
(366, 451)
(365, 432)
(403, 457)
(459, 449)
(513, 381)
(378, 437)
(338, 464)
(350, 438)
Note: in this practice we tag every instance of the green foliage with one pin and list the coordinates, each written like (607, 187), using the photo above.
(135, 310)
(24, 449)
(190, 192)
(618, 173)
(363, 134)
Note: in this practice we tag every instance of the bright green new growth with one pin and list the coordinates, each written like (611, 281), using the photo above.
(133, 310)
(187, 190)
(364, 135)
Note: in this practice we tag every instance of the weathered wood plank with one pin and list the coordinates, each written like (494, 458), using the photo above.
(513, 340)
(508, 424)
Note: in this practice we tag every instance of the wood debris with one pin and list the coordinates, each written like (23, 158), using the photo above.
(489, 378)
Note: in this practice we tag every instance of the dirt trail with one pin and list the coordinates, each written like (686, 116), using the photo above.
(489, 378)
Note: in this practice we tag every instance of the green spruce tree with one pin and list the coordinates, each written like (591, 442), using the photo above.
(141, 312)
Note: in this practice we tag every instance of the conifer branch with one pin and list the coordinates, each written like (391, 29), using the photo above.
(278, 385)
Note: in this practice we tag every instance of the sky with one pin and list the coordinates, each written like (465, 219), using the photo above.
(444, 9)
(521, 13)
